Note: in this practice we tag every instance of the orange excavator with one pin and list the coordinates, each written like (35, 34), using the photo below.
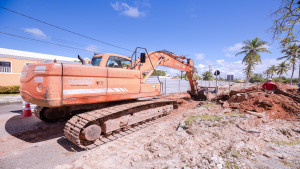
(102, 97)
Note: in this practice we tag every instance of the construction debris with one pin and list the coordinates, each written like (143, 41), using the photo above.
(283, 104)
(206, 136)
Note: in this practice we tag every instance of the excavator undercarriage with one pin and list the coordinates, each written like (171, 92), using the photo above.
(90, 129)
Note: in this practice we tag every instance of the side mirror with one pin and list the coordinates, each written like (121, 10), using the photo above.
(143, 57)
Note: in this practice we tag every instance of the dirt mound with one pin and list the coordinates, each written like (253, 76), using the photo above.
(282, 86)
(283, 104)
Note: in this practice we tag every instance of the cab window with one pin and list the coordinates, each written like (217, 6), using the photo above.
(117, 62)
(96, 61)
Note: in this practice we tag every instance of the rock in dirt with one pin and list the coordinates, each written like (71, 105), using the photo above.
(226, 104)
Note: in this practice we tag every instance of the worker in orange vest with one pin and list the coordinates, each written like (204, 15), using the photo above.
(269, 86)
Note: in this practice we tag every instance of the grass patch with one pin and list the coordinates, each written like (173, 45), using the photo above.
(235, 154)
(287, 143)
(287, 163)
(209, 105)
(235, 114)
(205, 117)
(230, 165)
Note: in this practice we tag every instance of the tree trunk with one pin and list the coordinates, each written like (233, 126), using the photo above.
(280, 77)
(292, 74)
(248, 77)
(299, 72)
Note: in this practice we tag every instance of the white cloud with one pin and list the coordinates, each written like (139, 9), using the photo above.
(199, 56)
(267, 46)
(208, 62)
(232, 50)
(35, 32)
(220, 62)
(239, 62)
(201, 66)
(236, 47)
(92, 48)
(127, 10)
(229, 55)
(116, 6)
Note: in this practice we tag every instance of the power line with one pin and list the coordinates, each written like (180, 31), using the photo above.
(67, 42)
(56, 44)
(58, 27)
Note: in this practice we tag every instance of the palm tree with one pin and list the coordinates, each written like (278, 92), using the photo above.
(291, 57)
(251, 49)
(282, 68)
(267, 73)
(272, 70)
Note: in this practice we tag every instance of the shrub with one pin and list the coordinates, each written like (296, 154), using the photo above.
(9, 89)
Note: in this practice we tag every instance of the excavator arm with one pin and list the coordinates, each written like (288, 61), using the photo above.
(169, 59)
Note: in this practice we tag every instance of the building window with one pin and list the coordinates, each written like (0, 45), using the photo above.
(28, 63)
(5, 66)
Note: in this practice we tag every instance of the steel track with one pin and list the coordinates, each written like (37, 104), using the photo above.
(77, 123)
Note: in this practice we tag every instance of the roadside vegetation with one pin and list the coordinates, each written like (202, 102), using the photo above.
(9, 89)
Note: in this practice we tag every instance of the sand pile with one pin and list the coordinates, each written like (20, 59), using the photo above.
(283, 104)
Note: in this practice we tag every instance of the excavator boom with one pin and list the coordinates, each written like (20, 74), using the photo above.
(169, 59)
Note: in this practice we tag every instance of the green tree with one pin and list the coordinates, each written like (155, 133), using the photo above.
(207, 75)
(282, 68)
(256, 78)
(159, 73)
(185, 77)
(251, 49)
(272, 70)
(267, 73)
(286, 18)
(285, 26)
(291, 57)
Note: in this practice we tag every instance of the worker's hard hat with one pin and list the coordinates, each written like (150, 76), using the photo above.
(270, 79)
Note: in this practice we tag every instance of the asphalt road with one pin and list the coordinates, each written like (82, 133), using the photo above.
(11, 108)
(32, 143)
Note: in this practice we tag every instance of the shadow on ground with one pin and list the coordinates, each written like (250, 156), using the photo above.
(32, 129)
(68, 145)
(17, 111)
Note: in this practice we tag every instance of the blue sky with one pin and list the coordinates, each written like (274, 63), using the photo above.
(209, 31)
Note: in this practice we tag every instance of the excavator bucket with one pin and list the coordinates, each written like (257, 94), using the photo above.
(201, 94)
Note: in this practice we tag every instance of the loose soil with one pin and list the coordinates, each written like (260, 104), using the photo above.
(202, 135)
(280, 105)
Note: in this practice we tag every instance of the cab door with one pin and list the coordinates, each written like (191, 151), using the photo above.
(121, 79)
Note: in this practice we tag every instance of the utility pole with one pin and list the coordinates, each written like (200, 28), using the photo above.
(210, 74)
(181, 75)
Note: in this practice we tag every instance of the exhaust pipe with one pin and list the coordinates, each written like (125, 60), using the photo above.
(82, 60)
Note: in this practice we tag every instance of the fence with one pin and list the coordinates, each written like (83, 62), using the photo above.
(177, 85)
(5, 69)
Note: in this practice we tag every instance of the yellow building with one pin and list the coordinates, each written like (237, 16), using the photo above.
(13, 61)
